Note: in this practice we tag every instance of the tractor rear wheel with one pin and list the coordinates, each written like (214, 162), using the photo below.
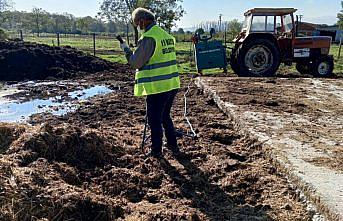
(322, 67)
(258, 58)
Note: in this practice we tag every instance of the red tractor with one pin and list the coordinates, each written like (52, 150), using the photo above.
(269, 37)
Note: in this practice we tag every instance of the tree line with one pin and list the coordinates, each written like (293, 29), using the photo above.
(340, 17)
(232, 28)
(167, 12)
(40, 21)
(113, 16)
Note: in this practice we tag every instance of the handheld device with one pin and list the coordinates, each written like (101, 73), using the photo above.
(120, 39)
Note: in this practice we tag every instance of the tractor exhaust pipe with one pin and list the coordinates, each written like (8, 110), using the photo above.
(297, 27)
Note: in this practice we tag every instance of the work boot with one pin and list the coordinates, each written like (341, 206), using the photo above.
(154, 154)
(174, 149)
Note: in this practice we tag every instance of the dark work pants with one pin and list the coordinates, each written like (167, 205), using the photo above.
(158, 110)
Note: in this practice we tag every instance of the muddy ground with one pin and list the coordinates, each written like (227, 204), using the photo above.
(87, 166)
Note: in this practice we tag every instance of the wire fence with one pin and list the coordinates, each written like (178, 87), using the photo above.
(101, 43)
(93, 43)
(104, 45)
(18, 34)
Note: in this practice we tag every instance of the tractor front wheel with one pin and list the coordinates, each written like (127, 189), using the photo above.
(322, 67)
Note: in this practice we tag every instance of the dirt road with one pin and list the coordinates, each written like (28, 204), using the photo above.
(301, 120)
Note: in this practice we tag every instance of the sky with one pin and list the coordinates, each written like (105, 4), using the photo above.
(316, 11)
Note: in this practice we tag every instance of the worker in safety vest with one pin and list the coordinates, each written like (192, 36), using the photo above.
(156, 77)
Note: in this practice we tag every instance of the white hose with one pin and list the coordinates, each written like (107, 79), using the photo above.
(185, 107)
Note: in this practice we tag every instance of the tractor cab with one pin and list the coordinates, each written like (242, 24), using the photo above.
(269, 20)
(277, 22)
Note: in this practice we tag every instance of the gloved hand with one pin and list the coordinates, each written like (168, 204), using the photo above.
(124, 47)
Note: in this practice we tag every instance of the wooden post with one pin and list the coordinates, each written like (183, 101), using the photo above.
(58, 39)
(21, 35)
(340, 46)
(94, 44)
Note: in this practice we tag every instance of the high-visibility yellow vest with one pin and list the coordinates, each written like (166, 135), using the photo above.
(160, 74)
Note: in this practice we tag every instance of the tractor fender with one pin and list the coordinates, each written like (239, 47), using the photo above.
(268, 36)
(245, 39)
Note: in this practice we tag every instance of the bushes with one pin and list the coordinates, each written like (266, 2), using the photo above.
(3, 34)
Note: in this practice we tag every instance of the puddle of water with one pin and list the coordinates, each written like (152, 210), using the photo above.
(90, 92)
(13, 111)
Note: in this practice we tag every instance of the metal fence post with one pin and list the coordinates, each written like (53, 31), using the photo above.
(58, 39)
(21, 35)
(94, 44)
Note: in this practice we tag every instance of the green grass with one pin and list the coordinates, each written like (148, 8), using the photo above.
(119, 58)
(338, 62)
(108, 48)
(85, 44)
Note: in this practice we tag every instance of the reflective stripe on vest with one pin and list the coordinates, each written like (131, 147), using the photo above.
(157, 78)
(159, 65)
(160, 74)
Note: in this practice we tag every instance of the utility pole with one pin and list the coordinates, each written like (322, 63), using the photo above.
(220, 22)
(301, 16)
(299, 23)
